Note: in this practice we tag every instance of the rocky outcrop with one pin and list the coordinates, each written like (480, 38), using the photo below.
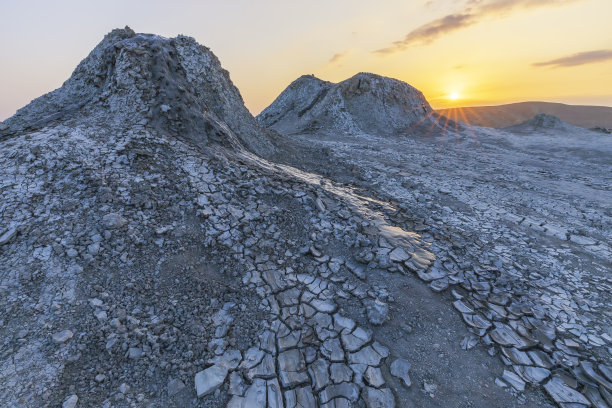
(366, 103)
(176, 86)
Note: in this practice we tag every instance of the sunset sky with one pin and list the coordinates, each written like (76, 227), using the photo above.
(458, 52)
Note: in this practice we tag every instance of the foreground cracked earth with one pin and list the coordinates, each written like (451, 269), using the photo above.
(521, 237)
(269, 286)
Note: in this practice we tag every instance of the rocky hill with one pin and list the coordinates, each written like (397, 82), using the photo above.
(543, 123)
(149, 258)
(365, 103)
(173, 85)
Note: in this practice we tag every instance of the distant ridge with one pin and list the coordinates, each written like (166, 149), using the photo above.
(543, 122)
(516, 113)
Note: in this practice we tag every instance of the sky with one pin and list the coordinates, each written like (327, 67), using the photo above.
(457, 52)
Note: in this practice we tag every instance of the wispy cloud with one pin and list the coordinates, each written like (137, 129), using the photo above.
(580, 58)
(429, 32)
(474, 12)
(337, 57)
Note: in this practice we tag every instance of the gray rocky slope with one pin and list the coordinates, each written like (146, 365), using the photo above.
(149, 258)
(519, 221)
(364, 103)
(175, 86)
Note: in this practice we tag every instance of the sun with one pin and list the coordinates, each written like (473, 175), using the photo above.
(453, 96)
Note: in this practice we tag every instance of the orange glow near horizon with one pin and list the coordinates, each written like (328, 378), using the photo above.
(265, 46)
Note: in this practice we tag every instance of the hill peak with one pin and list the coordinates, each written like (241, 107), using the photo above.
(174, 85)
(364, 103)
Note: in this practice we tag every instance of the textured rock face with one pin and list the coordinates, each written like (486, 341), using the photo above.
(173, 85)
(365, 103)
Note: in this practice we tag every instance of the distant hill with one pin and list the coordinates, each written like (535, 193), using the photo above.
(543, 122)
(516, 113)
(364, 103)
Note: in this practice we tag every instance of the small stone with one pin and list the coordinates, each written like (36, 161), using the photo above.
(366, 355)
(101, 315)
(332, 349)
(562, 394)
(230, 359)
(300, 397)
(134, 352)
(462, 307)
(252, 357)
(324, 306)
(469, 342)
(345, 390)
(514, 380)
(476, 321)
(319, 372)
(399, 255)
(113, 221)
(292, 368)
(373, 376)
(377, 311)
(516, 356)
(533, 375)
(237, 385)
(400, 368)
(429, 388)
(355, 340)
(275, 394)
(7, 236)
(505, 336)
(340, 373)
(94, 248)
(266, 369)
(100, 378)
(71, 401)
(315, 252)
(256, 394)
(62, 336)
(95, 302)
(207, 381)
(175, 385)
(344, 322)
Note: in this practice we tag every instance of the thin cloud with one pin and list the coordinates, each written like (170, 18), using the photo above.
(580, 58)
(429, 32)
(337, 57)
(474, 12)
